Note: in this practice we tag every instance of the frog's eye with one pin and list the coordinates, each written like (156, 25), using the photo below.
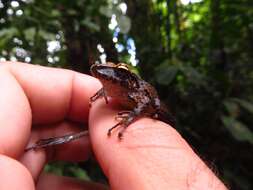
(122, 66)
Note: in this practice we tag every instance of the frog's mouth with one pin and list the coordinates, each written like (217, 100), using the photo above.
(101, 71)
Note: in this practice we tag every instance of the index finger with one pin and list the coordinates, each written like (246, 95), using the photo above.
(55, 94)
(39, 95)
(151, 155)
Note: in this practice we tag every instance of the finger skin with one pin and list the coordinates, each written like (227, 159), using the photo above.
(15, 115)
(78, 150)
(39, 95)
(54, 93)
(14, 175)
(35, 95)
(151, 155)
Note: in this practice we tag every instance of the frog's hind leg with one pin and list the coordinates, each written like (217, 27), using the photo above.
(109, 132)
(123, 115)
(127, 117)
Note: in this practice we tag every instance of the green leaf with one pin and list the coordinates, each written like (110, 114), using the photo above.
(47, 35)
(79, 173)
(232, 108)
(8, 32)
(55, 13)
(244, 104)
(7, 35)
(165, 74)
(237, 129)
(30, 33)
(124, 23)
(193, 75)
(72, 12)
(89, 24)
(105, 10)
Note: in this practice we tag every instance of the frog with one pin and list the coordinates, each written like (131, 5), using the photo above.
(138, 97)
(135, 95)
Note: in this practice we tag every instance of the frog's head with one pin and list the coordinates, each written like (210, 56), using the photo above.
(114, 73)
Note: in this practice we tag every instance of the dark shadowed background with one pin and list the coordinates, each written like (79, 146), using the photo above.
(197, 53)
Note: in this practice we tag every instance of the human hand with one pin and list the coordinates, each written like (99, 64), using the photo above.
(54, 102)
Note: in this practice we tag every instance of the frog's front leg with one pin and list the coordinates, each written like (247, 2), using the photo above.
(100, 93)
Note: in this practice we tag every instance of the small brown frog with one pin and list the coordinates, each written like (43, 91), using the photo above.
(133, 93)
(138, 97)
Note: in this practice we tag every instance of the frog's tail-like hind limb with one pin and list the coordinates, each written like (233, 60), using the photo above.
(164, 115)
(167, 118)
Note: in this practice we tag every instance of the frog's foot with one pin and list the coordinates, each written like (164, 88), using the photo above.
(110, 130)
(127, 117)
(120, 134)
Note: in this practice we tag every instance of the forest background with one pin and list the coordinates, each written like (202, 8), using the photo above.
(197, 53)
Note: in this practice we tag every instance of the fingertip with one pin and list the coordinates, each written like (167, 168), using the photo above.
(14, 175)
(144, 131)
(146, 155)
(54, 93)
(15, 116)
(84, 86)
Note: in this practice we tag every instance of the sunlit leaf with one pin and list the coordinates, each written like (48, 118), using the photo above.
(79, 173)
(30, 33)
(55, 13)
(8, 33)
(124, 24)
(46, 35)
(105, 10)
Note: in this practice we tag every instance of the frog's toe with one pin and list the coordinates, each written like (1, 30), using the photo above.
(155, 115)
(109, 132)
(120, 135)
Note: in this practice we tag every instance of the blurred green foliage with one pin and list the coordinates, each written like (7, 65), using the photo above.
(67, 169)
(199, 56)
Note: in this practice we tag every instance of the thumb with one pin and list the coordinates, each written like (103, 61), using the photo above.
(151, 155)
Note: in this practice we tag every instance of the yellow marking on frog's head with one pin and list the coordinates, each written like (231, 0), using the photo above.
(122, 66)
